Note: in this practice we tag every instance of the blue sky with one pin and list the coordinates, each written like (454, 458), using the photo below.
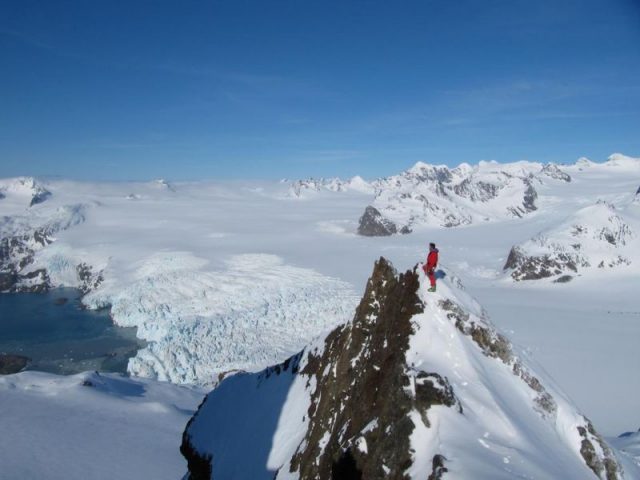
(117, 90)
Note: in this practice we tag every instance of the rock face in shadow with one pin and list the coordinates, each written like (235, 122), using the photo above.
(367, 379)
(373, 224)
(39, 196)
(12, 363)
(528, 204)
(377, 399)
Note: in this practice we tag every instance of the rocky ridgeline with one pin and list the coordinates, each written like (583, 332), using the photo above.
(20, 240)
(302, 188)
(380, 398)
(551, 170)
(440, 196)
(599, 236)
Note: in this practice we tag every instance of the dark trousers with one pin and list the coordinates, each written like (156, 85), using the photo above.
(432, 277)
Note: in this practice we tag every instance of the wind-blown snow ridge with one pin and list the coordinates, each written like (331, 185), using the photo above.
(201, 323)
(417, 385)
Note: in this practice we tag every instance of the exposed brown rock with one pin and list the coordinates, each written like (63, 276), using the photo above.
(365, 365)
(12, 363)
(603, 462)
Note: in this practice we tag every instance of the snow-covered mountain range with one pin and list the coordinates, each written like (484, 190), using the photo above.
(226, 276)
(439, 196)
(304, 188)
(436, 195)
(416, 386)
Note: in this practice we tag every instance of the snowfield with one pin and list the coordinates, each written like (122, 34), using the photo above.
(220, 276)
(102, 427)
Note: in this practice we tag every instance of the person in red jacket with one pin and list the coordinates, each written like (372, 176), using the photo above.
(430, 267)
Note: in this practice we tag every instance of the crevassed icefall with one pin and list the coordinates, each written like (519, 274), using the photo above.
(200, 323)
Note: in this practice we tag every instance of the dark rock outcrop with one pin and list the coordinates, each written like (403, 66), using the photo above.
(12, 363)
(541, 266)
(438, 467)
(366, 365)
(373, 224)
(563, 279)
(89, 280)
(553, 171)
(17, 253)
(39, 196)
(528, 201)
(601, 461)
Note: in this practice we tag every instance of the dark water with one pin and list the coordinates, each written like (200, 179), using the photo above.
(60, 337)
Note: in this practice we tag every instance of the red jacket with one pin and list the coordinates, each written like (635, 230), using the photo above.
(432, 260)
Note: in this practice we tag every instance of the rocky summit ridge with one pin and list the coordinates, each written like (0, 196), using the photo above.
(416, 386)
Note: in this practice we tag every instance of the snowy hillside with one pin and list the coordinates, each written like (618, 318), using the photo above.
(596, 237)
(436, 195)
(417, 386)
(629, 443)
(97, 426)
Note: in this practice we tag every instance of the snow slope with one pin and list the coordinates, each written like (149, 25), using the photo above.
(102, 427)
(629, 444)
(417, 385)
(595, 237)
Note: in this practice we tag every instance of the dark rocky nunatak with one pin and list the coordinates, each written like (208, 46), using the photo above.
(12, 363)
(373, 224)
